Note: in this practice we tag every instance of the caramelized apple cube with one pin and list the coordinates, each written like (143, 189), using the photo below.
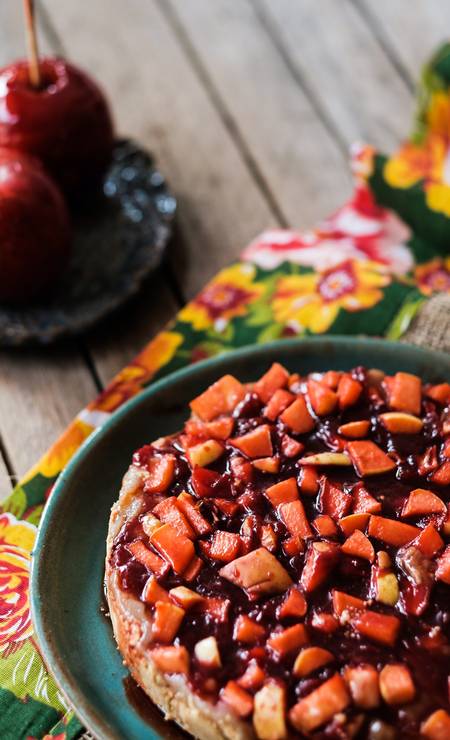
(323, 400)
(149, 524)
(224, 546)
(429, 541)
(398, 422)
(276, 377)
(320, 705)
(320, 560)
(282, 492)
(349, 523)
(287, 640)
(324, 526)
(355, 429)
(442, 474)
(345, 605)
(268, 537)
(220, 398)
(290, 447)
(421, 501)
(294, 605)
(280, 400)
(368, 458)
(149, 559)
(332, 500)
(310, 659)
(359, 546)
(256, 443)
(405, 393)
(169, 513)
(253, 677)
(390, 531)
(267, 464)
(294, 518)
(436, 726)
(153, 592)
(239, 700)
(396, 684)
(205, 453)
(363, 502)
(439, 393)
(378, 627)
(207, 652)
(247, 630)
(189, 507)
(269, 712)
(362, 680)
(443, 566)
(349, 391)
(297, 417)
(171, 659)
(185, 597)
(309, 480)
(167, 619)
(259, 573)
(176, 549)
(161, 470)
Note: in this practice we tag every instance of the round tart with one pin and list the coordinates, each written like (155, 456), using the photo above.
(280, 568)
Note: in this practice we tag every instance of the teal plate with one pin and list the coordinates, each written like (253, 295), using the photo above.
(67, 570)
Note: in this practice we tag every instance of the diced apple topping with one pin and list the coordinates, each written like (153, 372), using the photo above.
(443, 566)
(149, 524)
(345, 605)
(224, 546)
(205, 453)
(294, 605)
(149, 559)
(207, 652)
(349, 523)
(169, 512)
(354, 429)
(283, 492)
(287, 640)
(362, 680)
(368, 458)
(359, 546)
(421, 501)
(275, 378)
(311, 659)
(405, 393)
(333, 500)
(185, 597)
(161, 470)
(436, 726)
(396, 684)
(320, 705)
(267, 464)
(297, 417)
(258, 573)
(325, 526)
(323, 400)
(153, 592)
(293, 516)
(256, 443)
(381, 628)
(319, 562)
(189, 507)
(220, 398)
(239, 700)
(247, 630)
(253, 677)
(390, 531)
(167, 619)
(269, 712)
(175, 548)
(348, 391)
(400, 423)
(171, 659)
(280, 400)
(326, 458)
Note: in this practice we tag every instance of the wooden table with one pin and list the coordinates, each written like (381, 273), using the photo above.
(250, 107)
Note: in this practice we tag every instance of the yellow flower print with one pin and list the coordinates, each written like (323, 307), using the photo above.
(225, 297)
(61, 451)
(16, 542)
(313, 301)
(433, 276)
(429, 161)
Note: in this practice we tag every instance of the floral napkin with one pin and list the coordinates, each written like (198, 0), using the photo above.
(368, 269)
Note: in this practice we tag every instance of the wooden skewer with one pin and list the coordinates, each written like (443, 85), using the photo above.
(33, 54)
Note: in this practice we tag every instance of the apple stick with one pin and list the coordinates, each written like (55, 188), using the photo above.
(33, 54)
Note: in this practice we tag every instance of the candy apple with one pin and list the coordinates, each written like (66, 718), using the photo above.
(65, 122)
(34, 228)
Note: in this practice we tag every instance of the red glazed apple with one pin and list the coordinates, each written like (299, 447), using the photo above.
(34, 228)
(65, 123)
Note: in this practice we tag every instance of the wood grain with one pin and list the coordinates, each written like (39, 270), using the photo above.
(158, 98)
(408, 32)
(42, 389)
(352, 80)
(286, 138)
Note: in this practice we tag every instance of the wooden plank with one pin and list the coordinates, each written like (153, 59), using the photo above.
(410, 32)
(5, 481)
(158, 98)
(289, 142)
(334, 53)
(42, 389)
(121, 337)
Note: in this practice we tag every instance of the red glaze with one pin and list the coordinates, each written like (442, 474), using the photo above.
(34, 228)
(66, 123)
